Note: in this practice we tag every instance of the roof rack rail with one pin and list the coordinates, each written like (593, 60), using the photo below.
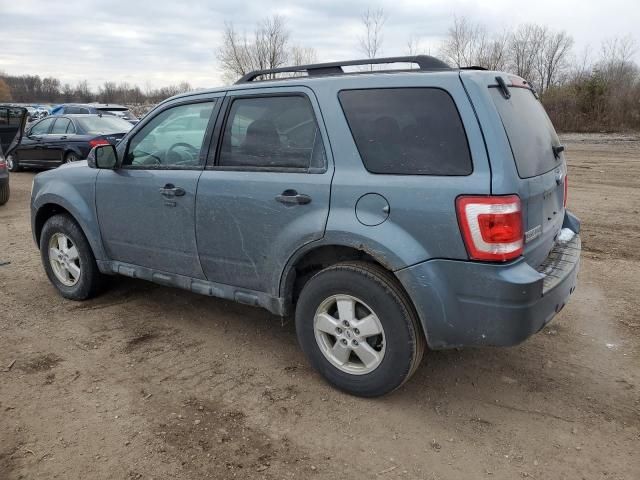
(425, 62)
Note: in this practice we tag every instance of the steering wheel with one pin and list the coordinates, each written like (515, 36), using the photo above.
(157, 159)
(193, 151)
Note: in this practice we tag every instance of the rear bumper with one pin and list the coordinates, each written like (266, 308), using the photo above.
(473, 304)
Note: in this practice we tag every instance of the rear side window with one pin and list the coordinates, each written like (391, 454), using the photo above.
(62, 125)
(531, 133)
(407, 131)
(272, 132)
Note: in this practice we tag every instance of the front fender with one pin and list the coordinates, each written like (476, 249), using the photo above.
(73, 191)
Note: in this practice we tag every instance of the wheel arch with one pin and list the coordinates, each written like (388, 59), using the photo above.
(87, 222)
(72, 149)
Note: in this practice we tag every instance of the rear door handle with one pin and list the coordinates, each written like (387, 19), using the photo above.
(292, 197)
(170, 191)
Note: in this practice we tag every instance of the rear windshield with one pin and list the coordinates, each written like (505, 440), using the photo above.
(407, 131)
(529, 129)
(118, 112)
(103, 125)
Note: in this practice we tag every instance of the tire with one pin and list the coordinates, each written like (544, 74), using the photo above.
(87, 283)
(13, 164)
(373, 290)
(4, 193)
(70, 157)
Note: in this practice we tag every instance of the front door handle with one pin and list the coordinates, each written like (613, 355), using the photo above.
(170, 191)
(292, 197)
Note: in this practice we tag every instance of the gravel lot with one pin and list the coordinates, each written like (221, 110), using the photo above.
(149, 382)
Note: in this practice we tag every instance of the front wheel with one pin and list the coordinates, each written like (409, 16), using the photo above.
(68, 259)
(358, 329)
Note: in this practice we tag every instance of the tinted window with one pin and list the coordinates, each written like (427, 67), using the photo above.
(531, 133)
(272, 132)
(168, 140)
(103, 125)
(42, 127)
(61, 126)
(75, 110)
(408, 131)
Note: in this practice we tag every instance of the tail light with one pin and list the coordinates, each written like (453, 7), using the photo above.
(3, 162)
(98, 141)
(491, 226)
(566, 191)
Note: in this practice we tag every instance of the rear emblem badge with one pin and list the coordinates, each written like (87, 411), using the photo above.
(532, 234)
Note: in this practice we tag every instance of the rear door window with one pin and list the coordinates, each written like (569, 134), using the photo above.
(272, 132)
(531, 133)
(407, 131)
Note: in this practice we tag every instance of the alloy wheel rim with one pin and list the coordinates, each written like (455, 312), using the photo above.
(10, 162)
(349, 334)
(64, 259)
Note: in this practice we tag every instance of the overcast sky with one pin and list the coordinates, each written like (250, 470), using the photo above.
(159, 42)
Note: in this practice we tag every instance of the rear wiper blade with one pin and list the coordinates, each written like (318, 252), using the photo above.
(503, 88)
(557, 150)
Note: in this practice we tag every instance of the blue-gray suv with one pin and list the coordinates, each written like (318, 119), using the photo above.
(388, 210)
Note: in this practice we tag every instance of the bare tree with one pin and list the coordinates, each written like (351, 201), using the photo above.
(413, 45)
(267, 49)
(524, 49)
(469, 44)
(552, 58)
(373, 22)
(616, 60)
(303, 55)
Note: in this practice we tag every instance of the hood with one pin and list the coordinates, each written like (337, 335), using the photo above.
(79, 164)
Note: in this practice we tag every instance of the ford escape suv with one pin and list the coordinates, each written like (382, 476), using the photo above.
(389, 211)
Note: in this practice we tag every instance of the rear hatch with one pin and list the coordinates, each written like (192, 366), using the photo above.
(540, 168)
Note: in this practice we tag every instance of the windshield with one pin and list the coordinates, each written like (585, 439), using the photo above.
(103, 125)
(531, 134)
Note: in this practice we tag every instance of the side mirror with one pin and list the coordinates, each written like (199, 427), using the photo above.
(103, 156)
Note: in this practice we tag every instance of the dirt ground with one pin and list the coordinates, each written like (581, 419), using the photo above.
(149, 382)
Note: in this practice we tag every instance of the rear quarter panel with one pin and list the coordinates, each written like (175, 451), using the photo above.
(422, 222)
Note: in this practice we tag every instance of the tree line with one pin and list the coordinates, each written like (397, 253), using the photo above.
(588, 92)
(34, 89)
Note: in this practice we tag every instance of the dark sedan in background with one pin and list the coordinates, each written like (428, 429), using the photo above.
(59, 139)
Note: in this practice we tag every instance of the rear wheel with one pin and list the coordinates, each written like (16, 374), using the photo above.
(4, 193)
(68, 259)
(71, 157)
(358, 329)
(12, 163)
